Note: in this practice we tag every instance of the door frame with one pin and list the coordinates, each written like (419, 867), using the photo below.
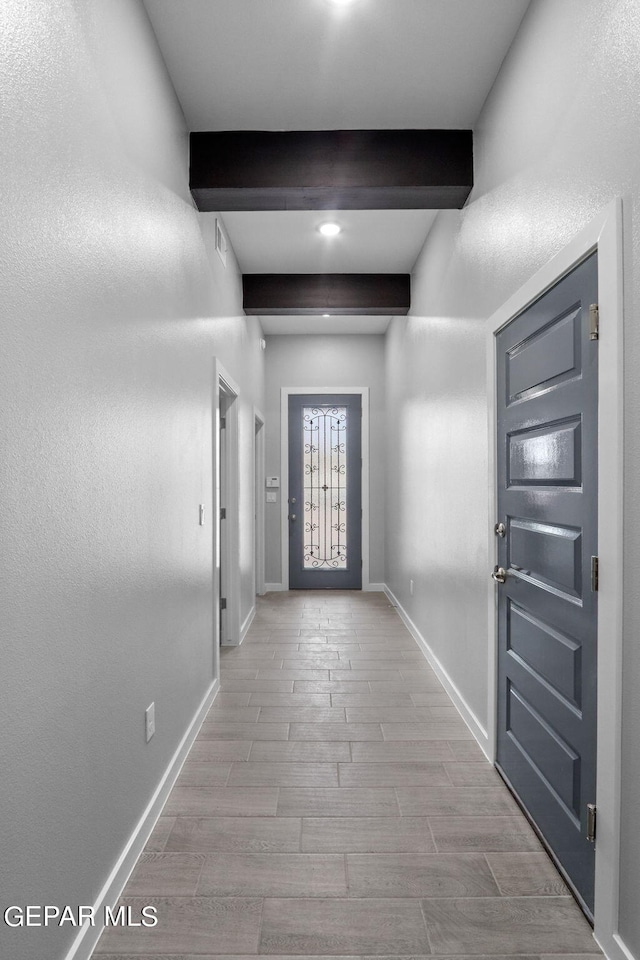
(258, 502)
(285, 393)
(604, 235)
(225, 386)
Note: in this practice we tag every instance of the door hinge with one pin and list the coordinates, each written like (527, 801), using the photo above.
(594, 322)
(594, 574)
(223, 603)
(591, 822)
(223, 423)
(223, 513)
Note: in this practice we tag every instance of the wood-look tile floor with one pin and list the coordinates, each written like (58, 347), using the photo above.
(335, 805)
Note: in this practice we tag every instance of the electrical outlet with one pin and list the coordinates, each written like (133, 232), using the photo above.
(150, 721)
(410, 588)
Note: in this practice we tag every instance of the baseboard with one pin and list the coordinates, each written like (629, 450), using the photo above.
(274, 587)
(374, 588)
(467, 714)
(248, 620)
(614, 948)
(86, 940)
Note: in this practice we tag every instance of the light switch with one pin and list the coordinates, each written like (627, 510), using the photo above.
(273, 481)
(272, 496)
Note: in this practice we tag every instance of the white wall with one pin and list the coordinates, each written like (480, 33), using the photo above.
(558, 138)
(112, 308)
(326, 361)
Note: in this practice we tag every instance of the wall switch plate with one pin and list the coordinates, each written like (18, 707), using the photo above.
(272, 496)
(201, 514)
(273, 481)
(150, 721)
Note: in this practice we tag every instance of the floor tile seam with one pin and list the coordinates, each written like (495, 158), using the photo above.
(347, 882)
(446, 770)
(202, 866)
(342, 899)
(444, 854)
(426, 927)
(348, 898)
(186, 896)
(433, 836)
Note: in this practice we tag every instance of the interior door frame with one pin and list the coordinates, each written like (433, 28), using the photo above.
(225, 386)
(258, 502)
(604, 235)
(285, 393)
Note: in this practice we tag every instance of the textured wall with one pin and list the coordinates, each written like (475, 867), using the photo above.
(112, 309)
(346, 361)
(558, 138)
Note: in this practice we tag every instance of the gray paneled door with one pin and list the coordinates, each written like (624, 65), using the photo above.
(547, 605)
(325, 492)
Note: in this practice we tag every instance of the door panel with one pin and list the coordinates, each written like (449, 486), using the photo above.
(547, 454)
(547, 611)
(325, 469)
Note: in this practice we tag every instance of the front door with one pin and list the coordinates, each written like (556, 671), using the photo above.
(325, 492)
(547, 409)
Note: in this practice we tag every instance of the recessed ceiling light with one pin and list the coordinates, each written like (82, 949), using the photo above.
(326, 314)
(329, 229)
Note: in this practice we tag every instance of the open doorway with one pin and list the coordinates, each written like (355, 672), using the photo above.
(225, 510)
(259, 499)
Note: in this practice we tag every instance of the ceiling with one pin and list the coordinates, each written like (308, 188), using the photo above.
(372, 241)
(316, 64)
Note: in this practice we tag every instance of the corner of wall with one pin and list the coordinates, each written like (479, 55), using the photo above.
(465, 711)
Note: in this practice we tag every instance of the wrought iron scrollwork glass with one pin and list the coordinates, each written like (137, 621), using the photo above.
(324, 471)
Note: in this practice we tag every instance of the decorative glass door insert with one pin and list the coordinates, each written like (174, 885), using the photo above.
(325, 548)
(325, 487)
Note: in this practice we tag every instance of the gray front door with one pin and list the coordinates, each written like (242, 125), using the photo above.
(325, 491)
(547, 606)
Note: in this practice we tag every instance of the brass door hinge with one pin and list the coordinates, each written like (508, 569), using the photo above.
(591, 822)
(223, 603)
(595, 573)
(594, 322)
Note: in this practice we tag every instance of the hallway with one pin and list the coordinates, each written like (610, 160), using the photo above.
(335, 804)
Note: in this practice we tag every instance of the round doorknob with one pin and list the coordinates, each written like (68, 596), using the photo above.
(499, 575)
(292, 516)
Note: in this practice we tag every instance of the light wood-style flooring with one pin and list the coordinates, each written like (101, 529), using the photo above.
(336, 805)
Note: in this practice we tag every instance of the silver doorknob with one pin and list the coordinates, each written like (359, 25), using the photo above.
(499, 575)
(292, 516)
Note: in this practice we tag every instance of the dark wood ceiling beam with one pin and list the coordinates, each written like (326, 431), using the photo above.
(331, 169)
(310, 294)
